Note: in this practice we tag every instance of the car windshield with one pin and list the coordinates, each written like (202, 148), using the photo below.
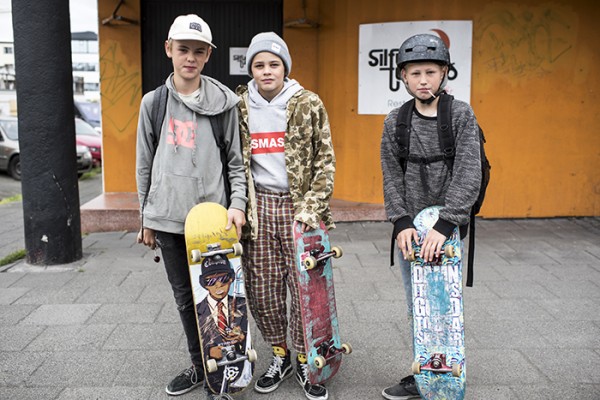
(83, 128)
(10, 127)
(90, 111)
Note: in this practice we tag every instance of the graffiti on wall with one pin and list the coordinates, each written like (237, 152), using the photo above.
(525, 41)
(121, 87)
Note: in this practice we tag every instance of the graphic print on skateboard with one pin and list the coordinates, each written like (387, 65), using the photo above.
(220, 299)
(317, 302)
(439, 362)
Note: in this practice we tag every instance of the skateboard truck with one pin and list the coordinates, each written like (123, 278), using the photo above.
(437, 364)
(215, 249)
(316, 257)
(230, 356)
(449, 252)
(327, 350)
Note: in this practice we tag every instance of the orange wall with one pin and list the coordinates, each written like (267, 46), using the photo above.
(120, 93)
(534, 90)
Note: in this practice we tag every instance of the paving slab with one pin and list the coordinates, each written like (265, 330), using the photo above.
(107, 326)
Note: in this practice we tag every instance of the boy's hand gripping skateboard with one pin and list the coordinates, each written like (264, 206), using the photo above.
(317, 302)
(220, 299)
(438, 324)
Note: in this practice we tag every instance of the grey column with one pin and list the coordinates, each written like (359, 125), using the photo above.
(44, 81)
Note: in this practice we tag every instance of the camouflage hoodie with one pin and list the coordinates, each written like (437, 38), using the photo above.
(308, 137)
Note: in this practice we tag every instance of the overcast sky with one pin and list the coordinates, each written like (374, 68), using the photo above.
(84, 17)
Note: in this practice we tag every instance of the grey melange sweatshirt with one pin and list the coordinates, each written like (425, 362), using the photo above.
(432, 184)
(186, 169)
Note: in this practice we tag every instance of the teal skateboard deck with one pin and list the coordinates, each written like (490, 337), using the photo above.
(439, 362)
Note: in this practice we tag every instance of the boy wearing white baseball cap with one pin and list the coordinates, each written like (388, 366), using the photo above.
(182, 164)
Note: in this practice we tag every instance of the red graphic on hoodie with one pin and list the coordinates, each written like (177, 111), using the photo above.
(267, 142)
(181, 133)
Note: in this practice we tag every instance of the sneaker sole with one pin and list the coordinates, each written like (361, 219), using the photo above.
(274, 387)
(390, 397)
(184, 391)
(308, 396)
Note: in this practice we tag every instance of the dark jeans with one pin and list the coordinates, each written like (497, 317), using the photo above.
(175, 258)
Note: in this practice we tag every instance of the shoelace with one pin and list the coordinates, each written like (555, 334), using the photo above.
(304, 371)
(275, 367)
(192, 374)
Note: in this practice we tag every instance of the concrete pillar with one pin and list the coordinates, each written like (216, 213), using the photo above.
(42, 39)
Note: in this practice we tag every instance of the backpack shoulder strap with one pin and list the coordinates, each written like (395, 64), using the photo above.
(159, 109)
(445, 129)
(403, 131)
(216, 123)
(471, 250)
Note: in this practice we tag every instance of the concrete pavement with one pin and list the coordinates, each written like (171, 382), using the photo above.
(106, 326)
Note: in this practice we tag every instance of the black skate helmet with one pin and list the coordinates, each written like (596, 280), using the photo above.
(423, 47)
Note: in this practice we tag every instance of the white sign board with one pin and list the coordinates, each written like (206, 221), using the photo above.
(237, 61)
(378, 89)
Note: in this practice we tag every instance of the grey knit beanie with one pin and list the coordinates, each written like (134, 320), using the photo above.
(271, 42)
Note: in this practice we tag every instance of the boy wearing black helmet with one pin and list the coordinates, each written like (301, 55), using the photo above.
(423, 65)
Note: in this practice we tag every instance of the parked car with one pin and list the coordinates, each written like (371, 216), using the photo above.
(9, 150)
(86, 135)
(89, 111)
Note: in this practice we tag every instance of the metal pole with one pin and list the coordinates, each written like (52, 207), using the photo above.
(44, 81)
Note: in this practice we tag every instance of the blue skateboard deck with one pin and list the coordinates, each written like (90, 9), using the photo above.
(439, 362)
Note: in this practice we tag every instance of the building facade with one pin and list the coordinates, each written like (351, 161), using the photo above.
(534, 89)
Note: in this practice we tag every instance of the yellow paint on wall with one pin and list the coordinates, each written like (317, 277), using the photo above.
(121, 94)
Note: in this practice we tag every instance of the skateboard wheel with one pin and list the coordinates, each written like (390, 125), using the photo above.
(449, 251)
(411, 255)
(416, 367)
(320, 362)
(251, 354)
(238, 250)
(456, 370)
(310, 262)
(211, 366)
(337, 251)
(346, 348)
(196, 255)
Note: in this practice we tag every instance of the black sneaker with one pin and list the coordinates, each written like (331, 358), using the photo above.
(313, 392)
(405, 390)
(187, 380)
(280, 369)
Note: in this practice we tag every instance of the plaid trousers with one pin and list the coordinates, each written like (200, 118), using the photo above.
(269, 268)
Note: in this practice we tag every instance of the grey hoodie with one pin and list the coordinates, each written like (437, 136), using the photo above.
(186, 169)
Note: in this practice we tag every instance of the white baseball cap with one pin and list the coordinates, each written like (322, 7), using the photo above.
(191, 27)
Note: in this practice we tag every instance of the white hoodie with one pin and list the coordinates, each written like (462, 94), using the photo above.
(267, 123)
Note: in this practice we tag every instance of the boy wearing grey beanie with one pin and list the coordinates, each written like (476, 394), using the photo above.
(290, 166)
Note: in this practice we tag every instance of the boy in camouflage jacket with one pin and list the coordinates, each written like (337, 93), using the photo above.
(290, 166)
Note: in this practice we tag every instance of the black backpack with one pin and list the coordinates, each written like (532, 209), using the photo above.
(446, 137)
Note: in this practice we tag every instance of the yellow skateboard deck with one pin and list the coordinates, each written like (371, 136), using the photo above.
(217, 277)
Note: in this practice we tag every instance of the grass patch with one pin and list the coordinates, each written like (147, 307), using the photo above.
(16, 197)
(91, 174)
(12, 257)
